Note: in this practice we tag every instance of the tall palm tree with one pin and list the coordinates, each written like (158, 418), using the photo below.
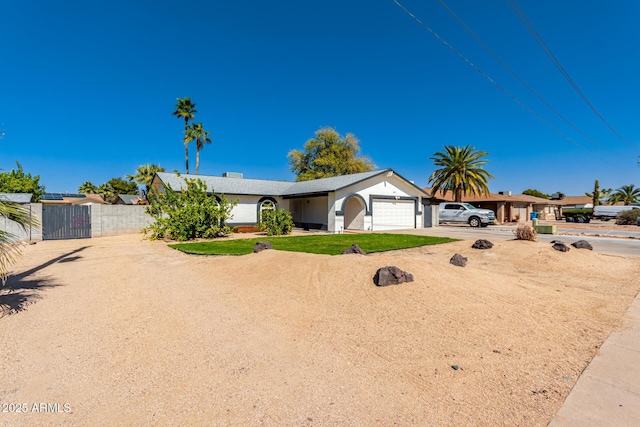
(185, 109)
(87, 187)
(461, 172)
(144, 175)
(202, 137)
(9, 248)
(627, 194)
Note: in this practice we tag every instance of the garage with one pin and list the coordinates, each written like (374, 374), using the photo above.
(393, 214)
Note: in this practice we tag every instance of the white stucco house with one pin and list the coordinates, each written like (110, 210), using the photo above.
(374, 201)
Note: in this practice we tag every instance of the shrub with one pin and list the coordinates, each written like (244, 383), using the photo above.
(189, 213)
(525, 232)
(629, 217)
(276, 222)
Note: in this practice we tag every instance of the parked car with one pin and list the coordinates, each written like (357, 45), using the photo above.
(607, 212)
(467, 214)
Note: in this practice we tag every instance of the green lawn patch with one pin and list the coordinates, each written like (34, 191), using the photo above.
(328, 244)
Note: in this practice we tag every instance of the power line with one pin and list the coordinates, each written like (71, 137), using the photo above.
(545, 48)
(506, 92)
(514, 74)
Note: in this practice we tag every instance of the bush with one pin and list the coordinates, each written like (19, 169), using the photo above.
(629, 217)
(525, 232)
(275, 222)
(187, 214)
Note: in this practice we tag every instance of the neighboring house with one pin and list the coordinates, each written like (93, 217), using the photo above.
(376, 200)
(507, 207)
(574, 202)
(71, 199)
(546, 209)
(128, 199)
(19, 198)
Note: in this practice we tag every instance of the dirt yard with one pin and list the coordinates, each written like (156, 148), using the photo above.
(119, 331)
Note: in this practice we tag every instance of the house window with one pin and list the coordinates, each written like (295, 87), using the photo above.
(266, 204)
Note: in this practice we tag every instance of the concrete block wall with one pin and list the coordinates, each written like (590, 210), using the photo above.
(35, 233)
(110, 220)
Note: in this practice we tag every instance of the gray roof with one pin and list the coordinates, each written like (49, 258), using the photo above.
(21, 198)
(128, 198)
(226, 185)
(324, 185)
(262, 187)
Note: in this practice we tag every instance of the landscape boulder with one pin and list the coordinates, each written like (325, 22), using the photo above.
(559, 246)
(391, 275)
(482, 244)
(354, 249)
(261, 246)
(582, 244)
(458, 260)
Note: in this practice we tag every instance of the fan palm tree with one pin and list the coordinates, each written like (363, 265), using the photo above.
(460, 172)
(9, 248)
(627, 194)
(87, 187)
(202, 137)
(145, 173)
(185, 109)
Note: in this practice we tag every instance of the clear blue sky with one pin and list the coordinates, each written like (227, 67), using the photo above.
(88, 88)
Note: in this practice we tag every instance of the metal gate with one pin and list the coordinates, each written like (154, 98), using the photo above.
(66, 222)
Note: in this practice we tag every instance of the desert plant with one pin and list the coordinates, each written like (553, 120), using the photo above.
(525, 232)
(629, 217)
(189, 213)
(9, 245)
(276, 222)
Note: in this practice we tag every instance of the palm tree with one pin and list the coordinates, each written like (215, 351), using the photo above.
(461, 172)
(185, 109)
(202, 137)
(627, 194)
(87, 187)
(145, 173)
(9, 248)
(106, 191)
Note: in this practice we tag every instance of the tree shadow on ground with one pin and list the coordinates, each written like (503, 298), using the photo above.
(21, 291)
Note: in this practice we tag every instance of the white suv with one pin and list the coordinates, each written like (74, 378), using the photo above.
(466, 213)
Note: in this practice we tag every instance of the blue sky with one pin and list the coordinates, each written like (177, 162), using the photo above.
(88, 88)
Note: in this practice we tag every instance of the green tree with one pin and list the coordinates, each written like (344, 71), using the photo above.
(16, 181)
(88, 187)
(328, 154)
(110, 189)
(9, 248)
(201, 136)
(186, 110)
(627, 194)
(460, 172)
(536, 193)
(144, 175)
(189, 213)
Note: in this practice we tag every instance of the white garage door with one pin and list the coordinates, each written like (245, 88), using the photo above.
(393, 214)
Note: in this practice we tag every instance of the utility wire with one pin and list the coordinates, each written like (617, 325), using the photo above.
(506, 92)
(514, 74)
(545, 48)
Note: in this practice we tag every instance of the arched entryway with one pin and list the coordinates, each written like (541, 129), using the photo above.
(354, 214)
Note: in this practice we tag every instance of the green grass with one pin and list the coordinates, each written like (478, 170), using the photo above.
(329, 244)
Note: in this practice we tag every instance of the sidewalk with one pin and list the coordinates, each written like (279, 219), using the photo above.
(608, 391)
